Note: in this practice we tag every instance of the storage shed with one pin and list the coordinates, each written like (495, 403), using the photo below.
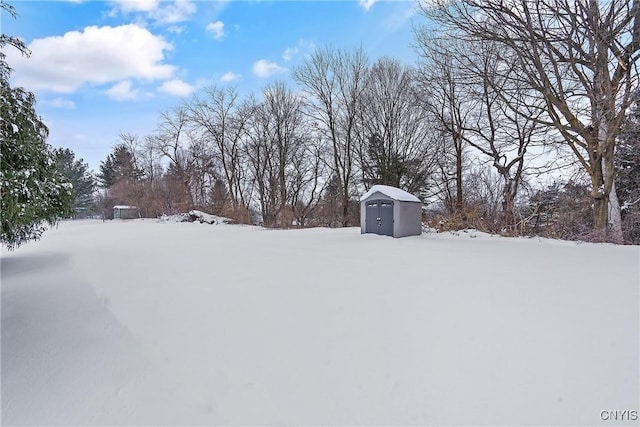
(390, 211)
(125, 212)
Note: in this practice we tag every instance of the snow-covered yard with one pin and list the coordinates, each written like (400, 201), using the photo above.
(153, 323)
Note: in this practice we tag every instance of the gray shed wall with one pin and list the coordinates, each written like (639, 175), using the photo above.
(407, 216)
(125, 213)
(410, 223)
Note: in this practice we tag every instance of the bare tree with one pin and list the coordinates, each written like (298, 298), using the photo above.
(505, 117)
(450, 106)
(397, 142)
(446, 181)
(281, 157)
(202, 170)
(147, 170)
(333, 81)
(284, 109)
(260, 155)
(309, 180)
(483, 189)
(580, 57)
(219, 120)
(171, 140)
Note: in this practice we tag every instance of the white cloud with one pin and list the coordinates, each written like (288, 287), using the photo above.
(301, 45)
(59, 102)
(264, 68)
(178, 11)
(217, 29)
(123, 91)
(289, 53)
(230, 77)
(162, 12)
(176, 87)
(97, 55)
(127, 6)
(366, 4)
(176, 29)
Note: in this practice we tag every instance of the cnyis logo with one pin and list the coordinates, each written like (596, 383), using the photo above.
(618, 415)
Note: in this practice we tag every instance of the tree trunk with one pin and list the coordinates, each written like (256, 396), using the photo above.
(598, 188)
(612, 216)
(459, 171)
(614, 219)
(345, 209)
(615, 216)
(508, 204)
(600, 213)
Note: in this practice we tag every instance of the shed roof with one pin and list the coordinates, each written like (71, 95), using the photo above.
(124, 207)
(393, 192)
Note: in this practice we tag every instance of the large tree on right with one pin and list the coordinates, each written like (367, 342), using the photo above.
(580, 57)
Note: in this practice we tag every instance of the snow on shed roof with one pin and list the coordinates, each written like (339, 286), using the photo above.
(124, 207)
(393, 192)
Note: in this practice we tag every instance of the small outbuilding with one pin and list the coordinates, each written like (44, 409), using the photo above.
(390, 211)
(125, 212)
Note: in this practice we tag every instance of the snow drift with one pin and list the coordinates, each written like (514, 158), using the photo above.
(140, 322)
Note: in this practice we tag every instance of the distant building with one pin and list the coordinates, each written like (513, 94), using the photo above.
(390, 211)
(125, 212)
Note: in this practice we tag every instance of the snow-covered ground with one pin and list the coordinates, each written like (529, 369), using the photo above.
(140, 322)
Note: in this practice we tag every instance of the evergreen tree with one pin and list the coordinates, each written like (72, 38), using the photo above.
(32, 190)
(382, 165)
(77, 173)
(106, 176)
(118, 166)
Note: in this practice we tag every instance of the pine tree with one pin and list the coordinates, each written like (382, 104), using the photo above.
(382, 165)
(77, 173)
(32, 190)
(118, 166)
(106, 176)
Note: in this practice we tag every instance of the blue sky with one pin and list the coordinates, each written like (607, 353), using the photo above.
(99, 68)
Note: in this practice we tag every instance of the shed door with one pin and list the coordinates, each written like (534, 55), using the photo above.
(386, 217)
(379, 217)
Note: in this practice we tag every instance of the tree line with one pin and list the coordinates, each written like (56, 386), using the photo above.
(284, 157)
(502, 95)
